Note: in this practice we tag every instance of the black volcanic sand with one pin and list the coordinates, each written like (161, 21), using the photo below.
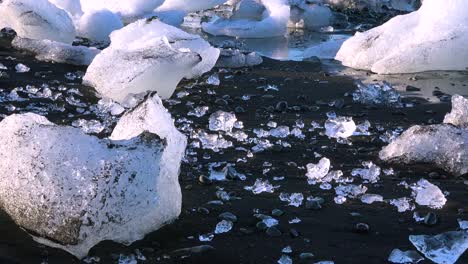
(327, 233)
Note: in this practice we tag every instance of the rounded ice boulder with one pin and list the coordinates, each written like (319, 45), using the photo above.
(71, 190)
(37, 19)
(432, 38)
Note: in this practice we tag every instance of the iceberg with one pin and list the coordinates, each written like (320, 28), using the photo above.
(72, 190)
(273, 23)
(432, 38)
(148, 55)
(37, 19)
(48, 50)
(97, 25)
(129, 10)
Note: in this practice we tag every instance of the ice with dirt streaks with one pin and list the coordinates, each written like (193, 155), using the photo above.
(91, 189)
(432, 38)
(48, 50)
(37, 19)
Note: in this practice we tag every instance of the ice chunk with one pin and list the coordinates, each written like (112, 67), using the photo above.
(237, 59)
(310, 16)
(128, 9)
(48, 50)
(350, 190)
(273, 23)
(377, 94)
(189, 5)
(444, 145)
(37, 19)
(73, 7)
(402, 204)
(223, 227)
(318, 171)
(375, 5)
(280, 132)
(91, 189)
(285, 259)
(222, 121)
(21, 68)
(370, 173)
(340, 127)
(98, 25)
(148, 55)
(463, 224)
(261, 186)
(459, 114)
(89, 126)
(427, 194)
(444, 248)
(432, 38)
(294, 199)
(371, 198)
(404, 257)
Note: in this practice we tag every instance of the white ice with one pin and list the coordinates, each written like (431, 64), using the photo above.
(428, 194)
(37, 19)
(129, 10)
(97, 25)
(74, 190)
(432, 38)
(459, 114)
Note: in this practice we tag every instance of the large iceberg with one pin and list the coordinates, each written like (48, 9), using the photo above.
(37, 19)
(432, 38)
(148, 55)
(48, 50)
(73, 190)
(445, 145)
(272, 23)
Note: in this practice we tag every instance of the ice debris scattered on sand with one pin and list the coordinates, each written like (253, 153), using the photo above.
(428, 194)
(432, 38)
(91, 189)
(148, 55)
(444, 248)
(37, 19)
(377, 94)
(49, 50)
(444, 145)
(404, 257)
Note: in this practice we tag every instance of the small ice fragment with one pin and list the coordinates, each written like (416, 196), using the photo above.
(287, 250)
(403, 204)
(131, 259)
(21, 68)
(222, 121)
(280, 132)
(3, 67)
(106, 105)
(223, 227)
(404, 257)
(371, 198)
(319, 170)
(377, 94)
(444, 248)
(459, 114)
(198, 111)
(261, 186)
(213, 80)
(350, 190)
(270, 221)
(463, 224)
(340, 199)
(285, 259)
(295, 220)
(206, 237)
(295, 199)
(428, 194)
(340, 127)
(89, 126)
(371, 172)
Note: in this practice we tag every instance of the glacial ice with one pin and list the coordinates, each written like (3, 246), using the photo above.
(189, 5)
(444, 248)
(370, 172)
(97, 25)
(459, 114)
(74, 190)
(377, 94)
(340, 127)
(318, 171)
(129, 10)
(327, 49)
(272, 23)
(432, 38)
(48, 50)
(309, 16)
(443, 145)
(234, 58)
(37, 19)
(374, 5)
(428, 194)
(73, 7)
(222, 121)
(404, 257)
(402, 204)
(145, 64)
